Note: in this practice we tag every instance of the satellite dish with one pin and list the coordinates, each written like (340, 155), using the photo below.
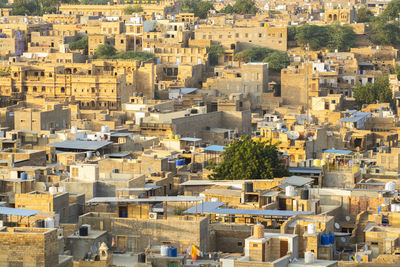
(348, 218)
(343, 239)
(365, 247)
(293, 135)
(337, 226)
(93, 248)
(97, 153)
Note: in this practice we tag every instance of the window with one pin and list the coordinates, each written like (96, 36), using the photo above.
(34, 89)
(240, 244)
(43, 89)
(62, 90)
(255, 245)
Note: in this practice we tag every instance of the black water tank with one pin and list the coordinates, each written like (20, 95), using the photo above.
(248, 187)
(40, 223)
(304, 194)
(83, 231)
(141, 257)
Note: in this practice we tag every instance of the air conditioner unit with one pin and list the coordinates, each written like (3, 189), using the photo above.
(153, 215)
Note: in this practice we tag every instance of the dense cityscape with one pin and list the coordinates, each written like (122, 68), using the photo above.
(172, 133)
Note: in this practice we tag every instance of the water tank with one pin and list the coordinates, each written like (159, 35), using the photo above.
(258, 231)
(89, 154)
(83, 231)
(331, 238)
(74, 129)
(88, 226)
(172, 252)
(62, 189)
(24, 176)
(40, 223)
(317, 163)
(304, 194)
(308, 257)
(53, 190)
(105, 129)
(180, 162)
(49, 222)
(394, 207)
(141, 257)
(248, 187)
(325, 240)
(124, 214)
(164, 250)
(391, 186)
(311, 228)
(290, 192)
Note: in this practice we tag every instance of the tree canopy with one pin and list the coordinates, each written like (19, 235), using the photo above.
(364, 15)
(198, 7)
(392, 10)
(132, 9)
(277, 60)
(81, 44)
(371, 93)
(241, 7)
(246, 159)
(109, 52)
(333, 37)
(214, 52)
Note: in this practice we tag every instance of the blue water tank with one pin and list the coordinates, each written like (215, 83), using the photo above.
(325, 240)
(124, 214)
(24, 176)
(332, 238)
(172, 252)
(180, 162)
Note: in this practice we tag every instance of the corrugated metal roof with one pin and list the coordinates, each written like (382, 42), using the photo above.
(151, 199)
(205, 207)
(190, 139)
(18, 212)
(198, 182)
(81, 145)
(338, 151)
(281, 213)
(307, 170)
(296, 180)
(215, 148)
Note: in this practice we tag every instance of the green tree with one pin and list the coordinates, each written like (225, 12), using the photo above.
(340, 37)
(198, 7)
(332, 37)
(242, 7)
(385, 33)
(104, 52)
(21, 8)
(291, 33)
(364, 15)
(133, 55)
(247, 159)
(81, 44)
(392, 10)
(132, 9)
(214, 52)
(277, 60)
(314, 36)
(370, 93)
